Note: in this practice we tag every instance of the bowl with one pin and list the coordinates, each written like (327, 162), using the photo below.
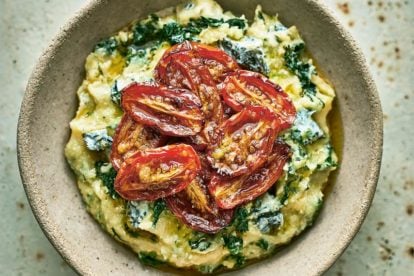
(50, 103)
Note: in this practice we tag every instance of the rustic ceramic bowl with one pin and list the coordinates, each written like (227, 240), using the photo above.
(50, 103)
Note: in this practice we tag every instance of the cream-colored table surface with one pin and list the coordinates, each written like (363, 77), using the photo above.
(385, 32)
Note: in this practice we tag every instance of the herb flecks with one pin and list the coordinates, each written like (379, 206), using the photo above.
(107, 174)
(303, 70)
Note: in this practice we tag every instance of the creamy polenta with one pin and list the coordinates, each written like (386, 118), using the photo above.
(258, 228)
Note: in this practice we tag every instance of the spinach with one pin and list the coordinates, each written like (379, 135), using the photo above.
(288, 190)
(252, 60)
(97, 140)
(107, 174)
(172, 32)
(200, 242)
(233, 243)
(240, 221)
(149, 258)
(145, 31)
(263, 244)
(159, 207)
(109, 45)
(237, 22)
(303, 70)
(240, 260)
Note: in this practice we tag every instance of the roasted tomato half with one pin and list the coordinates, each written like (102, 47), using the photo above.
(244, 142)
(131, 137)
(243, 88)
(231, 192)
(217, 61)
(187, 71)
(157, 173)
(195, 207)
(172, 111)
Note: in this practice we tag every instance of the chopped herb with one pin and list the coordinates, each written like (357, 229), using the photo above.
(237, 22)
(288, 190)
(233, 243)
(107, 174)
(249, 59)
(240, 221)
(97, 140)
(149, 258)
(263, 244)
(109, 45)
(200, 242)
(303, 70)
(159, 207)
(172, 32)
(240, 260)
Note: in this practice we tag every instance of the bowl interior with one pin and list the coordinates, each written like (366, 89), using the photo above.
(50, 103)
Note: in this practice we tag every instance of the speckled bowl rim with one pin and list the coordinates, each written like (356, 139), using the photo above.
(25, 156)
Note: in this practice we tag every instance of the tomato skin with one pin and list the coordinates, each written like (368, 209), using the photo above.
(244, 142)
(173, 111)
(131, 137)
(157, 173)
(217, 61)
(231, 192)
(242, 88)
(195, 207)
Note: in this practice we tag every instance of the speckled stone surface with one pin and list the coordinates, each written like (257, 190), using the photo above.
(383, 29)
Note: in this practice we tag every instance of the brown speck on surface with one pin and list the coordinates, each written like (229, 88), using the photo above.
(380, 64)
(372, 48)
(380, 4)
(380, 224)
(344, 7)
(39, 256)
(385, 43)
(385, 117)
(408, 184)
(385, 252)
(409, 209)
(369, 238)
(411, 251)
(339, 273)
(381, 18)
(351, 23)
(369, 3)
(20, 205)
(406, 97)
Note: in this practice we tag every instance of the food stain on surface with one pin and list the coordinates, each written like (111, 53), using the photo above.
(39, 256)
(410, 251)
(409, 209)
(386, 253)
(381, 18)
(20, 205)
(380, 224)
(344, 7)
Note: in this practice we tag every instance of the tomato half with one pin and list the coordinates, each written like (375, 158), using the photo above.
(242, 88)
(187, 71)
(216, 60)
(195, 207)
(244, 142)
(231, 192)
(172, 111)
(131, 137)
(157, 173)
